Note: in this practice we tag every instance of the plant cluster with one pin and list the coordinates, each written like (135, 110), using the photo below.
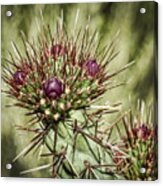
(57, 81)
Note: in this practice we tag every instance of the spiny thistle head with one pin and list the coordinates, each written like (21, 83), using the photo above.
(69, 72)
(58, 76)
(136, 157)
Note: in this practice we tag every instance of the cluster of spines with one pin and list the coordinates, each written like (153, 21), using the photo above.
(139, 143)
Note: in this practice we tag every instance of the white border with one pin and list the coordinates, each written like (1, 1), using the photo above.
(50, 182)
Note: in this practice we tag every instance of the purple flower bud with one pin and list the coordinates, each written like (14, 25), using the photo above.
(143, 132)
(57, 50)
(53, 88)
(92, 68)
(19, 77)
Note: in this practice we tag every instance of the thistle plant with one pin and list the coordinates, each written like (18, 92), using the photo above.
(57, 79)
(136, 158)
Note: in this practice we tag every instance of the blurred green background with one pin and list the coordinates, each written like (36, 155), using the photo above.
(137, 41)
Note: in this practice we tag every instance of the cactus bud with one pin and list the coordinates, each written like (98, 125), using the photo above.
(57, 50)
(92, 68)
(143, 132)
(53, 88)
(19, 77)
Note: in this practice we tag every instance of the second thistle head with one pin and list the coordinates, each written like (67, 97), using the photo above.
(139, 146)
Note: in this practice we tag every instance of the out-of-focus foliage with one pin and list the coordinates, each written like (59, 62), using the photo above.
(136, 42)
